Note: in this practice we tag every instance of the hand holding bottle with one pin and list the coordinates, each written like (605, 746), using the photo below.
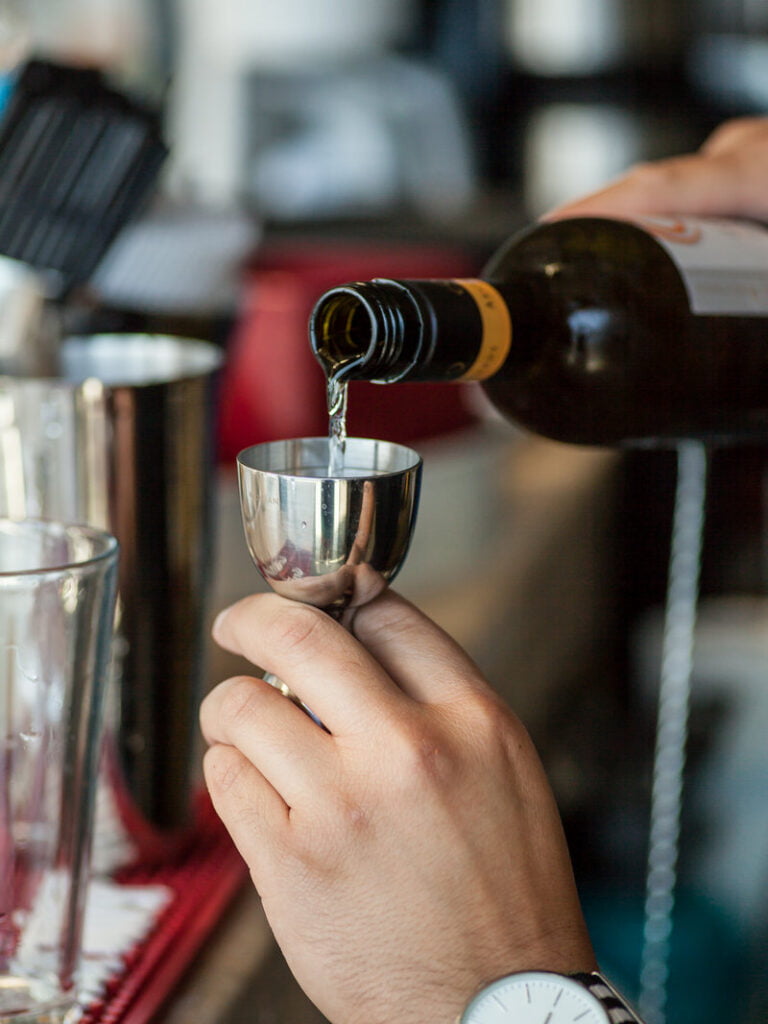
(636, 315)
(412, 853)
(725, 178)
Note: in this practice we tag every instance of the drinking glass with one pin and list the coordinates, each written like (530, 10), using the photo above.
(57, 600)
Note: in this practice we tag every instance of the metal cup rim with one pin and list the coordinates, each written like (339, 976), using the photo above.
(411, 460)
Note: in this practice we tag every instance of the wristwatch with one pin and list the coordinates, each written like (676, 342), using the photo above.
(541, 997)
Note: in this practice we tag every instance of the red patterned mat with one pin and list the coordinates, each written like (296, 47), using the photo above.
(196, 885)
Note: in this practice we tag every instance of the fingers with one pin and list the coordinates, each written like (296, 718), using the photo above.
(685, 184)
(286, 748)
(420, 657)
(725, 178)
(347, 683)
(735, 133)
(249, 806)
(317, 658)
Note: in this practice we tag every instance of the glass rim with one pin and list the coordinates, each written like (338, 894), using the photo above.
(56, 528)
(412, 459)
(137, 359)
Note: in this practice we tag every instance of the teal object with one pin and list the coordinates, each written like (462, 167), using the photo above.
(6, 88)
(709, 959)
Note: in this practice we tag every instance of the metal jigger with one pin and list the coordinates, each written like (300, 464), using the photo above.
(329, 541)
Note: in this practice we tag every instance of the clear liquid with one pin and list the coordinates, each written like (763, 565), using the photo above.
(344, 473)
(337, 426)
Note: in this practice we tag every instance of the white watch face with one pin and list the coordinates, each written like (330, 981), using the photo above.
(535, 998)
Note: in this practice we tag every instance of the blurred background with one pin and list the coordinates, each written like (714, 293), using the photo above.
(317, 141)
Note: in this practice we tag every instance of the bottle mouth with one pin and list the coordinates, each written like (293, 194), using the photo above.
(342, 329)
(359, 330)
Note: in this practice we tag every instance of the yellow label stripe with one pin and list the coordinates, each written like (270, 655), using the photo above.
(497, 329)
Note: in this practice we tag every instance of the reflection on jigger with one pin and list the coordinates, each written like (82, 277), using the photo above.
(348, 587)
(355, 583)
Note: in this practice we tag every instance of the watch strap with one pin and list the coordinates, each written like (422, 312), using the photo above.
(615, 1005)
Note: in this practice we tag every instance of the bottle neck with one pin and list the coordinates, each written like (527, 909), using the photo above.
(386, 330)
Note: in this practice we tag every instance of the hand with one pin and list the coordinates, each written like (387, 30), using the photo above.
(725, 178)
(414, 851)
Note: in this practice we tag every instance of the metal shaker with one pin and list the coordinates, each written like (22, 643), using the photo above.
(123, 439)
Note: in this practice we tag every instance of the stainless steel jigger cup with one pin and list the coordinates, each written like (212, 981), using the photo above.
(57, 598)
(329, 541)
(123, 439)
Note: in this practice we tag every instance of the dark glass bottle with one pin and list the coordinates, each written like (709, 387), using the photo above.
(588, 330)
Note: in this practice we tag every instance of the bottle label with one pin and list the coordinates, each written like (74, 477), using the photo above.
(497, 329)
(724, 263)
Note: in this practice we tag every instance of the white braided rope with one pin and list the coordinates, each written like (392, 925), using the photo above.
(672, 727)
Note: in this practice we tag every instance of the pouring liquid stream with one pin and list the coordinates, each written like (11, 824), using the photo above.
(337, 426)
